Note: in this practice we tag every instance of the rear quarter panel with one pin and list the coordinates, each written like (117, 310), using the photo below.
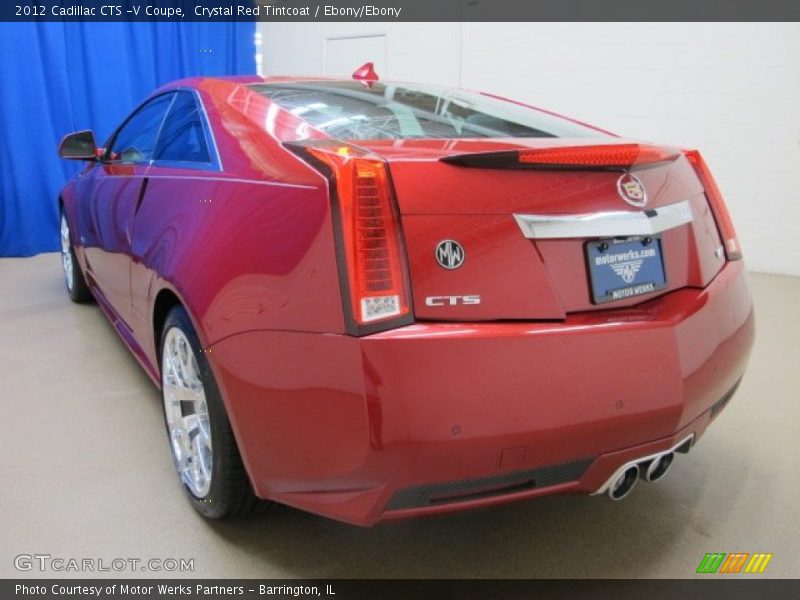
(242, 255)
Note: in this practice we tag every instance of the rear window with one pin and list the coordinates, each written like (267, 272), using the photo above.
(350, 110)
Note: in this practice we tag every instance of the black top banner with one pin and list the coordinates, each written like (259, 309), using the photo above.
(399, 10)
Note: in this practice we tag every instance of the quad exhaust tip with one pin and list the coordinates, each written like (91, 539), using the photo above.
(650, 468)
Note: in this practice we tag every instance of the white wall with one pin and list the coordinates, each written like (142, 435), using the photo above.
(730, 89)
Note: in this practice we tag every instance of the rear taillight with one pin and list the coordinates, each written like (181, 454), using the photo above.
(733, 250)
(370, 240)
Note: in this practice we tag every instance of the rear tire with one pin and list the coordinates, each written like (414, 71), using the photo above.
(202, 443)
(73, 277)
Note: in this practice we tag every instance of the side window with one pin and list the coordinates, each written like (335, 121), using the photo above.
(135, 141)
(182, 138)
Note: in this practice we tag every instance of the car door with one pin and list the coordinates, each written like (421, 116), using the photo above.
(111, 192)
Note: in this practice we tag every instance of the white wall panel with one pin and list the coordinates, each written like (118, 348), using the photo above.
(424, 52)
(341, 53)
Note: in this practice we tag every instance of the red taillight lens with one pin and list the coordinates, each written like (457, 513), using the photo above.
(733, 250)
(612, 156)
(370, 224)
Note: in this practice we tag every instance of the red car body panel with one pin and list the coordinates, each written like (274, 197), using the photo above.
(443, 402)
(536, 375)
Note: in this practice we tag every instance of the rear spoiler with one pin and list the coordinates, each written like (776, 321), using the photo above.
(605, 157)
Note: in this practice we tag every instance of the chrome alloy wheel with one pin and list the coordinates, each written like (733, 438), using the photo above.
(66, 252)
(186, 413)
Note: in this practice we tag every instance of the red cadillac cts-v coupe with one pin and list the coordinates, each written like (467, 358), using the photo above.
(376, 300)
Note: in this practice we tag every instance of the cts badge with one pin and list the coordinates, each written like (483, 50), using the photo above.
(450, 254)
(452, 300)
(631, 190)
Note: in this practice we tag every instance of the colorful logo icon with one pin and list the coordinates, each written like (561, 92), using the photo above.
(735, 562)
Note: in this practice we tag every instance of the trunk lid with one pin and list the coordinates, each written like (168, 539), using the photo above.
(530, 241)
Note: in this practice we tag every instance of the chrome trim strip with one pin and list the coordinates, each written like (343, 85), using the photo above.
(636, 461)
(605, 224)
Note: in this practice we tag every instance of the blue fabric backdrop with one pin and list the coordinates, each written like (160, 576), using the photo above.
(62, 77)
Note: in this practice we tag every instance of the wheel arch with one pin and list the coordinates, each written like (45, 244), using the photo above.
(165, 300)
(66, 206)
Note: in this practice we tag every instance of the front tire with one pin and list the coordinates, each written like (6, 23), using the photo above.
(201, 440)
(73, 277)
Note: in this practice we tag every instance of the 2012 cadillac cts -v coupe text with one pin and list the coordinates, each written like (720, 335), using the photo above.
(375, 300)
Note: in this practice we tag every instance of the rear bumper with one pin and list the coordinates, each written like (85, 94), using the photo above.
(436, 417)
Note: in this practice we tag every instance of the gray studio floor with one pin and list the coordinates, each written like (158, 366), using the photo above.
(85, 472)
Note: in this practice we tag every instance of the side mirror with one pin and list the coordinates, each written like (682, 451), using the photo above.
(78, 146)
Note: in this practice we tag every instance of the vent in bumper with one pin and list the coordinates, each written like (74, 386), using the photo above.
(483, 487)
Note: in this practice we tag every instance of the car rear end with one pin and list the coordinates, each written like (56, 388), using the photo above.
(532, 306)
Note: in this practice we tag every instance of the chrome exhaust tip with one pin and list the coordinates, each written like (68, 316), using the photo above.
(624, 483)
(650, 468)
(658, 467)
